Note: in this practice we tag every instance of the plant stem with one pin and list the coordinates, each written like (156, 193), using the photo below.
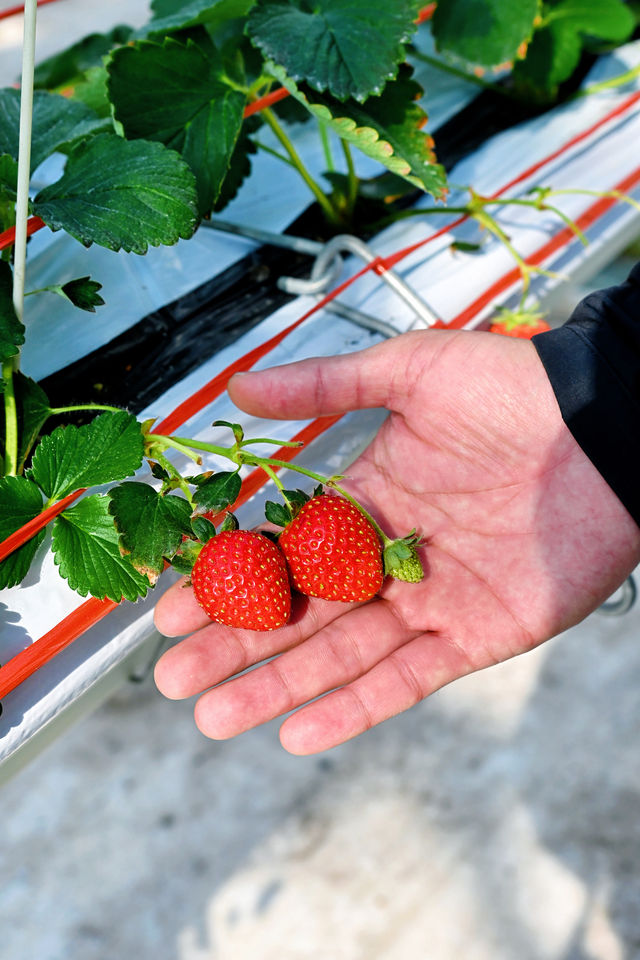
(274, 153)
(539, 205)
(269, 465)
(316, 190)
(326, 146)
(274, 476)
(616, 194)
(277, 443)
(11, 420)
(607, 84)
(457, 72)
(415, 212)
(352, 176)
(177, 476)
(84, 406)
(265, 462)
(179, 443)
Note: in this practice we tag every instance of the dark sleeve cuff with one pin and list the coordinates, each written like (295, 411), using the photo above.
(593, 364)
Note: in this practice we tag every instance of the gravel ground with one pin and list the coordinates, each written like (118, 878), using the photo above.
(496, 821)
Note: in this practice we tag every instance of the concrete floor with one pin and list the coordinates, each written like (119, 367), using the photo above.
(496, 821)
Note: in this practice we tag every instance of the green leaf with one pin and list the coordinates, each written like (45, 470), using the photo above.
(349, 48)
(240, 163)
(203, 529)
(389, 128)
(20, 501)
(57, 121)
(277, 513)
(159, 472)
(123, 195)
(201, 118)
(221, 490)
(85, 548)
(83, 293)
(66, 67)
(230, 522)
(8, 176)
(187, 554)
(483, 32)
(552, 56)
(151, 527)
(463, 246)
(297, 497)
(11, 329)
(606, 19)
(91, 89)
(386, 187)
(8, 188)
(236, 429)
(172, 15)
(556, 48)
(107, 449)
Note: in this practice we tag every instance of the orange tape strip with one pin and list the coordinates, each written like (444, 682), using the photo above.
(19, 8)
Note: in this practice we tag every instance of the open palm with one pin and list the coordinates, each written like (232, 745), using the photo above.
(522, 539)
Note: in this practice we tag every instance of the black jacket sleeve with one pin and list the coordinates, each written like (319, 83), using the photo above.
(593, 364)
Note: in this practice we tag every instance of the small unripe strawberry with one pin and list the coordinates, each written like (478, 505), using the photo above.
(332, 551)
(240, 579)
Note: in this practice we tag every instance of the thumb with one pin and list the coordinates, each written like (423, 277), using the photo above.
(322, 386)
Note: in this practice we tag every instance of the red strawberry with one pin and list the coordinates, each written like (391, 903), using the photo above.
(240, 578)
(333, 551)
(525, 332)
(519, 323)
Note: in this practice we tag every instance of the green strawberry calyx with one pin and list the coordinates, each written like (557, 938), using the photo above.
(400, 558)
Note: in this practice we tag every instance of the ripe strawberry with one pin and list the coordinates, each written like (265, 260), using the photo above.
(519, 323)
(333, 551)
(524, 332)
(240, 579)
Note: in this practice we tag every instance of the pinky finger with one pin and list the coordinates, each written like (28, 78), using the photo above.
(404, 678)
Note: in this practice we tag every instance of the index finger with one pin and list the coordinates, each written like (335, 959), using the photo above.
(379, 376)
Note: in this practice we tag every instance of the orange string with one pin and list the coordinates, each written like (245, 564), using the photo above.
(19, 8)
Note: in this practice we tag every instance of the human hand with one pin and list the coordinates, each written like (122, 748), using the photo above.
(523, 538)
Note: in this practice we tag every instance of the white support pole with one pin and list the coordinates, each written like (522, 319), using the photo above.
(24, 155)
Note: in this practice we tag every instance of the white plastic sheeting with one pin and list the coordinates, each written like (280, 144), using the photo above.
(449, 282)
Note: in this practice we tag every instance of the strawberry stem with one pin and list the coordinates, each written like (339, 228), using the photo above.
(55, 411)
(277, 443)
(175, 474)
(274, 476)
(326, 481)
(323, 201)
(182, 444)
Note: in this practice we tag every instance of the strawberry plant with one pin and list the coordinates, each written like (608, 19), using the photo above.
(159, 127)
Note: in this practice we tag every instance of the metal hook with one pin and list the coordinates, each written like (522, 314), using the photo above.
(627, 598)
(325, 267)
(326, 271)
